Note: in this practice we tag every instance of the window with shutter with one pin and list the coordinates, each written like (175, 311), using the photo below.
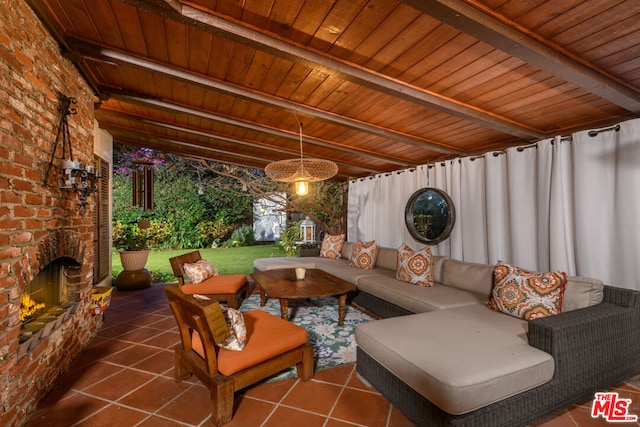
(102, 250)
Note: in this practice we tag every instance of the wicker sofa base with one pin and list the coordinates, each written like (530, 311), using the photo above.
(594, 349)
(377, 306)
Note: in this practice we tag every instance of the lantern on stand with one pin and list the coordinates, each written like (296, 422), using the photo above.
(307, 245)
(307, 231)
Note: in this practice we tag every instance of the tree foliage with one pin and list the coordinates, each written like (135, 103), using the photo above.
(324, 203)
(188, 212)
(200, 203)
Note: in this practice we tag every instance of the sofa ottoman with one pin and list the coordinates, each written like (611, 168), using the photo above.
(460, 359)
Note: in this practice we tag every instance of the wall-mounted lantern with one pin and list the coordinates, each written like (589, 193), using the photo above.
(74, 175)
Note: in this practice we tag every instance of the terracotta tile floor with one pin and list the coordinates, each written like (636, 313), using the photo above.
(125, 378)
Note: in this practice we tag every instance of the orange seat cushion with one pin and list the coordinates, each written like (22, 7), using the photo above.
(267, 336)
(221, 284)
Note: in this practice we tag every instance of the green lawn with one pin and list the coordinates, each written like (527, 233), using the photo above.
(227, 260)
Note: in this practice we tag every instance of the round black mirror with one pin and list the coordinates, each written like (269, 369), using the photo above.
(429, 215)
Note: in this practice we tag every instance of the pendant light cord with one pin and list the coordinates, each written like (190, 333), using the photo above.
(300, 127)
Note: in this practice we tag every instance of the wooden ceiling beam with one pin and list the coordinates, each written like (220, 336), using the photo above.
(343, 160)
(340, 149)
(478, 21)
(173, 146)
(205, 20)
(93, 52)
(189, 148)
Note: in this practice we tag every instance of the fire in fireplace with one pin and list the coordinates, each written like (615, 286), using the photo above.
(45, 300)
(29, 308)
(46, 291)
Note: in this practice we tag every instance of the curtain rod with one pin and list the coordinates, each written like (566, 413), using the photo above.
(591, 133)
(597, 131)
(399, 172)
(412, 169)
(494, 154)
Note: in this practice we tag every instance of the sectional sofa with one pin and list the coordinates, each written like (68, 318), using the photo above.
(442, 357)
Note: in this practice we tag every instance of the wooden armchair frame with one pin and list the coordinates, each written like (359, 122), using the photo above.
(177, 265)
(208, 320)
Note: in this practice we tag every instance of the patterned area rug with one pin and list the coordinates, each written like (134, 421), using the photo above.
(333, 345)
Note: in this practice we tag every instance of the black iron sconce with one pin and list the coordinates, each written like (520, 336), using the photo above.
(74, 176)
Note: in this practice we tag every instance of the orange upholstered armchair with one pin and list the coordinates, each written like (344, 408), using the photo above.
(272, 345)
(223, 287)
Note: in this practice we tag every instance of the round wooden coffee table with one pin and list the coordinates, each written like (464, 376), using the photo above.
(282, 284)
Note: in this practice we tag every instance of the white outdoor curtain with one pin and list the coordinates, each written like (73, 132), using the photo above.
(607, 204)
(568, 203)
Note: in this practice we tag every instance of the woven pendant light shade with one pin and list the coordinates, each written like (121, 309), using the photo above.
(301, 170)
(292, 170)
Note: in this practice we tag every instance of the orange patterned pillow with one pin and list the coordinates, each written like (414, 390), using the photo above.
(364, 255)
(527, 294)
(415, 266)
(332, 246)
(199, 271)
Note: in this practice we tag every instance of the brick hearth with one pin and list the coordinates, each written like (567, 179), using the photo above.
(39, 223)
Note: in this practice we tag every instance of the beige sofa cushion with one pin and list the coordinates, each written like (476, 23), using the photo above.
(459, 359)
(414, 298)
(262, 264)
(470, 276)
(346, 250)
(582, 292)
(341, 269)
(387, 258)
(438, 265)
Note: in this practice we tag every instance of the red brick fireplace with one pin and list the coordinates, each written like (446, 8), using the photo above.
(41, 225)
(54, 293)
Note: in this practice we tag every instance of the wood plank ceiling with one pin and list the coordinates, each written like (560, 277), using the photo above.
(379, 85)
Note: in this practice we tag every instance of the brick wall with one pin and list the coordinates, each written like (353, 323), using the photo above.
(38, 223)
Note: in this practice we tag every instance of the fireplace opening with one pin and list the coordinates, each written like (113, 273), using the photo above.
(45, 302)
